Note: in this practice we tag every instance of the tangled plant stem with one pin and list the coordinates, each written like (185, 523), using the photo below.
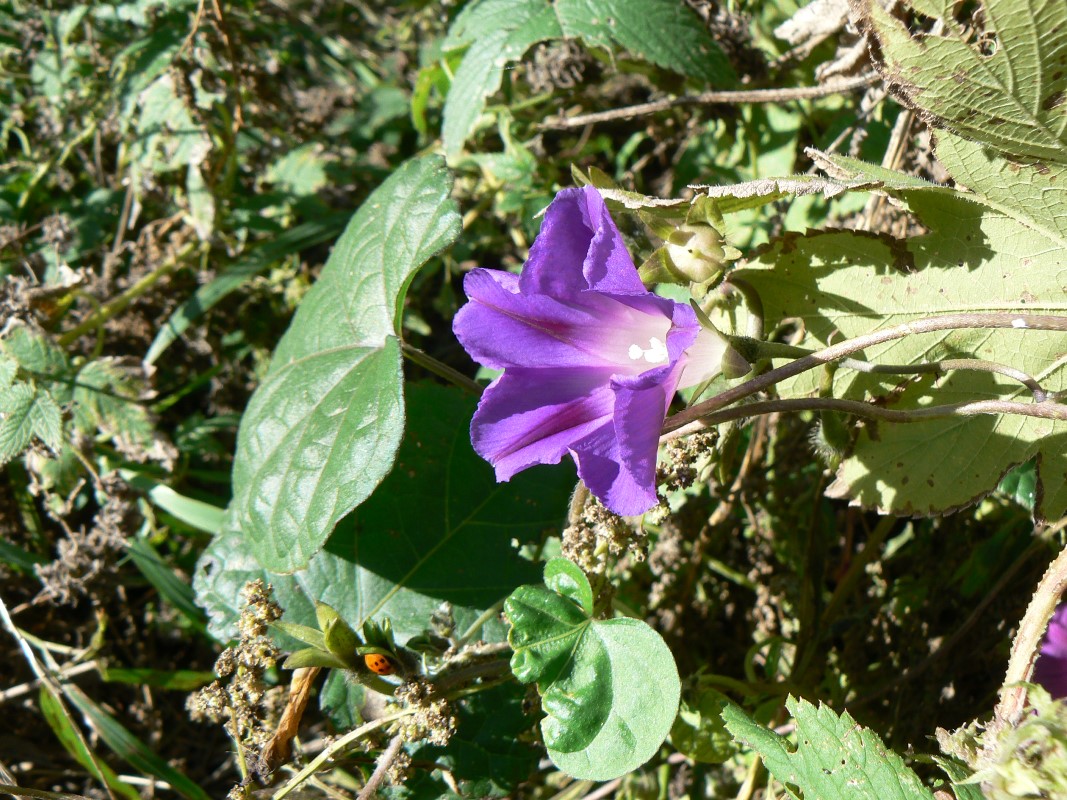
(1045, 410)
(704, 414)
(336, 748)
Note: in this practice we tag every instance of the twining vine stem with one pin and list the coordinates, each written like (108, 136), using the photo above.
(1045, 410)
(704, 414)
(778, 350)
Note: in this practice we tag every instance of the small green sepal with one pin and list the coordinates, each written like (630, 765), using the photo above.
(734, 365)
(340, 639)
(302, 633)
(313, 657)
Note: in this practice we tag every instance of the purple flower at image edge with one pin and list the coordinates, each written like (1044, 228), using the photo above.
(1050, 670)
(591, 358)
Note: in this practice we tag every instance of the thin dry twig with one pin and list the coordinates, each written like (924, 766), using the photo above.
(712, 98)
(30, 686)
(385, 760)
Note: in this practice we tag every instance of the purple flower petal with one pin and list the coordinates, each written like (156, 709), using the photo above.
(602, 469)
(638, 400)
(591, 359)
(1050, 670)
(1055, 643)
(579, 248)
(502, 328)
(528, 417)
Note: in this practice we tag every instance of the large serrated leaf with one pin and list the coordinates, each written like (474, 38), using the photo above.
(1035, 194)
(498, 31)
(16, 426)
(1004, 85)
(664, 32)
(439, 528)
(106, 396)
(27, 411)
(835, 758)
(322, 430)
(975, 258)
(610, 688)
(8, 369)
(41, 359)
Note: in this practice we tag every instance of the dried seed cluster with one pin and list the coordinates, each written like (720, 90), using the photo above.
(682, 468)
(597, 533)
(433, 720)
(242, 704)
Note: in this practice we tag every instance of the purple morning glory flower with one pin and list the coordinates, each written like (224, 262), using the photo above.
(1050, 670)
(591, 358)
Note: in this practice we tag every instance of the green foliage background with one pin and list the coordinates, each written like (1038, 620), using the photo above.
(232, 241)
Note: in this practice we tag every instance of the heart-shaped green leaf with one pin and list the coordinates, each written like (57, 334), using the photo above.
(439, 528)
(322, 430)
(498, 31)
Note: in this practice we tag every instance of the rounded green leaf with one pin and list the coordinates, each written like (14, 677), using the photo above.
(544, 631)
(566, 578)
(609, 688)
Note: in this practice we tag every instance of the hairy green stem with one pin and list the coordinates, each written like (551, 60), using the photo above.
(949, 364)
(441, 370)
(689, 419)
(754, 349)
(1027, 641)
(1045, 410)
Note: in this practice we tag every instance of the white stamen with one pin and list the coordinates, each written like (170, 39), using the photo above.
(656, 353)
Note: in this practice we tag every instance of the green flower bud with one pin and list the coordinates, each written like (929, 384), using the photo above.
(696, 252)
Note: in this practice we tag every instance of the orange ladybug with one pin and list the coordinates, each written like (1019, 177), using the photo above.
(379, 664)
